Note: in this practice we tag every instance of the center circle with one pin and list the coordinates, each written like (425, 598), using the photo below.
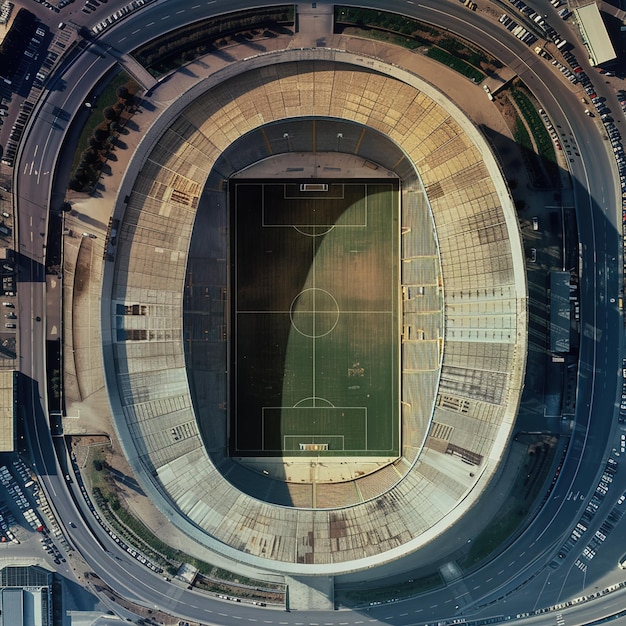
(314, 312)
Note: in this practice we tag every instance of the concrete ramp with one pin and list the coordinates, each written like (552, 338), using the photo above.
(313, 593)
(315, 19)
(138, 72)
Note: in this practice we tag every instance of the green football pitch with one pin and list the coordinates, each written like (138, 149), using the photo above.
(314, 356)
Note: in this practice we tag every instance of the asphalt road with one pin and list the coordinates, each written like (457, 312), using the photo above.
(597, 214)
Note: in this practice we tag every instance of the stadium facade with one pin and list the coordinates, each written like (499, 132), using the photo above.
(462, 338)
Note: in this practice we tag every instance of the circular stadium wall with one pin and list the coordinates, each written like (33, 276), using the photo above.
(478, 354)
(303, 149)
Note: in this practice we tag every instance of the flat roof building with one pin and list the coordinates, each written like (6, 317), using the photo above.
(7, 411)
(25, 596)
(594, 34)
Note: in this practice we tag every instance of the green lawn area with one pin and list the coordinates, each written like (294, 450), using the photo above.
(544, 143)
(107, 98)
(458, 65)
(317, 322)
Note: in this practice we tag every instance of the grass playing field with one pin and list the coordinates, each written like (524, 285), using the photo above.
(314, 318)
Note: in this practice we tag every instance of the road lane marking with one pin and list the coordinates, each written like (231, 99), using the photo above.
(135, 31)
(179, 12)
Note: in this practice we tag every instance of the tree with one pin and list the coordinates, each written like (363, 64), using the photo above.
(89, 156)
(122, 92)
(110, 114)
(101, 134)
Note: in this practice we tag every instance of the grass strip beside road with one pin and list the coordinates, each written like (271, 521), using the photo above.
(458, 65)
(455, 52)
(107, 98)
(136, 533)
(544, 143)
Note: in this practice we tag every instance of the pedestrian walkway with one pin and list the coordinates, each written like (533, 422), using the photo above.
(315, 19)
(137, 71)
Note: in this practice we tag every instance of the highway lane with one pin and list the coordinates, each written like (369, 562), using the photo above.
(155, 20)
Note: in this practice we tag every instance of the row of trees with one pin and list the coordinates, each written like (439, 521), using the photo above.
(92, 160)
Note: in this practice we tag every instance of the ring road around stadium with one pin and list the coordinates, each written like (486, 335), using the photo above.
(314, 372)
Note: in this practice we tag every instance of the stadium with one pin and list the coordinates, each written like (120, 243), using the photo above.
(314, 327)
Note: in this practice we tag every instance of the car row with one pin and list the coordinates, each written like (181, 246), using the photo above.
(519, 31)
(536, 18)
(128, 8)
(600, 535)
(550, 127)
(50, 547)
(621, 97)
(612, 132)
(580, 531)
(20, 499)
(49, 6)
(571, 76)
(92, 5)
(622, 404)
(6, 521)
(26, 106)
(118, 540)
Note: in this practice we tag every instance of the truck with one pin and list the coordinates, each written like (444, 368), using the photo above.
(542, 53)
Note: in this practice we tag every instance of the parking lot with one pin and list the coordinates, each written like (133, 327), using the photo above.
(25, 515)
